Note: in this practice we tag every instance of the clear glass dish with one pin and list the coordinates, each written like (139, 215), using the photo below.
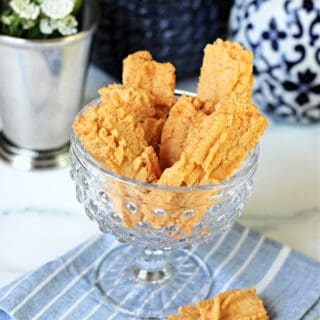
(154, 272)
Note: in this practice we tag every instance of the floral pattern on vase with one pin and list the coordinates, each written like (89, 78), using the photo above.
(285, 39)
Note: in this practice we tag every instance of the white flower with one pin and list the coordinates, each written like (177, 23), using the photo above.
(28, 24)
(7, 19)
(68, 25)
(57, 9)
(47, 26)
(25, 9)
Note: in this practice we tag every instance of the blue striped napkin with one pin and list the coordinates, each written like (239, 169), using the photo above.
(287, 281)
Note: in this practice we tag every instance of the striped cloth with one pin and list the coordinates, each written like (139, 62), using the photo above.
(287, 281)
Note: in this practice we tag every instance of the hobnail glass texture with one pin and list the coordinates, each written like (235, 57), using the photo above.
(225, 202)
(161, 221)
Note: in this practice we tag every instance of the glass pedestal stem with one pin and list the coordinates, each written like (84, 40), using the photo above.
(144, 283)
(152, 266)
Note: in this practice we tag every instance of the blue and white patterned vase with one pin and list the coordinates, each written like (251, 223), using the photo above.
(284, 36)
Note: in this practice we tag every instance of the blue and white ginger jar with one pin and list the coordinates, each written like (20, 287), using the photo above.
(284, 36)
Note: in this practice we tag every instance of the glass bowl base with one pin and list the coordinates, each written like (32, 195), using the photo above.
(171, 280)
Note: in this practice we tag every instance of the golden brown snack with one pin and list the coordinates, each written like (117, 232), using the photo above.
(152, 131)
(186, 313)
(184, 118)
(213, 145)
(121, 100)
(209, 309)
(208, 154)
(226, 68)
(246, 139)
(140, 71)
(138, 102)
(242, 304)
(203, 142)
(117, 142)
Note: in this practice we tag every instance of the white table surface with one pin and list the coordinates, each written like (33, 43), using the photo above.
(40, 218)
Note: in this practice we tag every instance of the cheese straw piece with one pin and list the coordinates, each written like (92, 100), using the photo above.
(215, 144)
(140, 71)
(242, 304)
(227, 67)
(117, 142)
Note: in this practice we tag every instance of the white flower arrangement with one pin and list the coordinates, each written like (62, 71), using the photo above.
(40, 18)
(57, 9)
(25, 9)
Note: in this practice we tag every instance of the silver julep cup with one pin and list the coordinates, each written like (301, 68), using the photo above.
(41, 91)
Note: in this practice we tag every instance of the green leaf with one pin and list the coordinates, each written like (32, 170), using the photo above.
(34, 33)
(77, 6)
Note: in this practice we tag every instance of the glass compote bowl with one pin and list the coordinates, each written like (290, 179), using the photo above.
(154, 272)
